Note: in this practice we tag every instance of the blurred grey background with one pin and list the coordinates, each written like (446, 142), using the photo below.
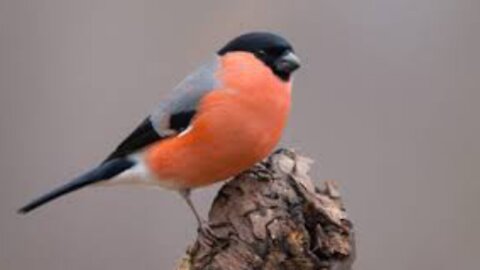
(386, 103)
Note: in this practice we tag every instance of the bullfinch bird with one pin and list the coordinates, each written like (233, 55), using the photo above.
(222, 119)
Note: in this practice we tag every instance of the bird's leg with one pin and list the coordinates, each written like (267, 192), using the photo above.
(203, 226)
(185, 193)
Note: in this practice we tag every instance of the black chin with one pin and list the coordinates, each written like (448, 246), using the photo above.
(283, 75)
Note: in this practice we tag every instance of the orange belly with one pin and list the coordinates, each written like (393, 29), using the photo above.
(235, 127)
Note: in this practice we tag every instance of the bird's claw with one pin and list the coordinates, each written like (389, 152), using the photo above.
(208, 237)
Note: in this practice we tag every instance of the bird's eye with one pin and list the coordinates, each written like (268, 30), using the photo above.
(260, 53)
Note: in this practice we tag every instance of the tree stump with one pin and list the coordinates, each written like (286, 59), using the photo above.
(273, 217)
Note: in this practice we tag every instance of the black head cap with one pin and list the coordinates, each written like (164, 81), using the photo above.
(273, 50)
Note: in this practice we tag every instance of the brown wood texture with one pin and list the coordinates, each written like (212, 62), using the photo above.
(273, 217)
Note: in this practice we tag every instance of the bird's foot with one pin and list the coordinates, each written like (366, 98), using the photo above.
(207, 235)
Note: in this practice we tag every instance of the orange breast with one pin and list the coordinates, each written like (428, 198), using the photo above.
(235, 127)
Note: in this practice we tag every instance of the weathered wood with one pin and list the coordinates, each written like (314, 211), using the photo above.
(273, 217)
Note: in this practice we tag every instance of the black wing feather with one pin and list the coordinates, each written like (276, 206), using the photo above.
(145, 134)
(181, 120)
(142, 136)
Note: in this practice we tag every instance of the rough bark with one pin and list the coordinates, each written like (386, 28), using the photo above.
(273, 217)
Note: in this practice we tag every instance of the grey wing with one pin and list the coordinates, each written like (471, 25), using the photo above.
(174, 114)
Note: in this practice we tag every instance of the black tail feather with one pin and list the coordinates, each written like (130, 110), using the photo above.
(103, 172)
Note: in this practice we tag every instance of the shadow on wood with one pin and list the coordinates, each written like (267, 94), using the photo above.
(273, 217)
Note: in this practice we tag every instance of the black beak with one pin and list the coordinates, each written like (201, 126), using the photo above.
(287, 63)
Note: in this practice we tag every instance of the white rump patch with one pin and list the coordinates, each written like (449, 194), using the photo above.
(139, 175)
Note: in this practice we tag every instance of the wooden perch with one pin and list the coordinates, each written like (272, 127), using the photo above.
(273, 217)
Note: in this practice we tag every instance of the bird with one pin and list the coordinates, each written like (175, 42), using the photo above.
(220, 120)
